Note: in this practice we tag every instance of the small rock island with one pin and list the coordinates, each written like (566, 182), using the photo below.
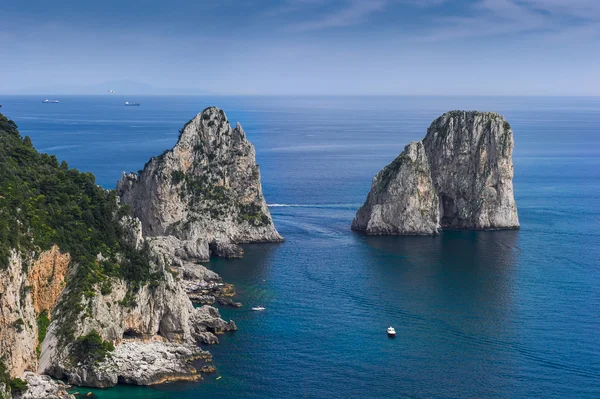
(459, 176)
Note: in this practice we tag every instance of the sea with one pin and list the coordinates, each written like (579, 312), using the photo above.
(478, 314)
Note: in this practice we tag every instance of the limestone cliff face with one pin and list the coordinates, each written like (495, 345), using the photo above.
(18, 327)
(458, 176)
(29, 286)
(402, 198)
(206, 190)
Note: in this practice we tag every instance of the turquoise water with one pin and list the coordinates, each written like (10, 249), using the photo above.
(478, 314)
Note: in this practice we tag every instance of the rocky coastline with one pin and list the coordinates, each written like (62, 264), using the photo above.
(131, 302)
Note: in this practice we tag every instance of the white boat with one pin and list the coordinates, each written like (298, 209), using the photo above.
(46, 101)
(258, 308)
(391, 331)
(132, 104)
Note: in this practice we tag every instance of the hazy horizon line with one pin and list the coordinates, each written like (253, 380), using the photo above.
(296, 95)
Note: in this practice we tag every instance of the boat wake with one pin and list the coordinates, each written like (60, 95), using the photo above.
(338, 206)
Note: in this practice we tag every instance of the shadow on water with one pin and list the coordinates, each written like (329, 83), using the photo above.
(254, 268)
(473, 268)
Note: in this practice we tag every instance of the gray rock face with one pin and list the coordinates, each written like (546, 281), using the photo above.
(470, 156)
(206, 190)
(157, 362)
(402, 198)
(458, 176)
(143, 363)
(44, 387)
(200, 284)
(5, 391)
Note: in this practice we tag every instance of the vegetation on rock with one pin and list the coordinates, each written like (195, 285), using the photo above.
(42, 324)
(90, 349)
(16, 386)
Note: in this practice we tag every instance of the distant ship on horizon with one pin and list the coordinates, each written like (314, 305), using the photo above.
(132, 104)
(46, 101)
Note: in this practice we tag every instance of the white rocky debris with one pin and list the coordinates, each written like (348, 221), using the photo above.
(44, 387)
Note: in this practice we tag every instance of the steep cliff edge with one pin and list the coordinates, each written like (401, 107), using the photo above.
(458, 176)
(205, 191)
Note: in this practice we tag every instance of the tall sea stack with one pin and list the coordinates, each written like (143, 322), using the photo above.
(205, 192)
(458, 176)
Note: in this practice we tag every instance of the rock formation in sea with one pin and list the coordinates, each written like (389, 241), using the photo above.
(85, 296)
(458, 176)
(205, 192)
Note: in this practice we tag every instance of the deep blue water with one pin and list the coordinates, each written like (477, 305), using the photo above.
(506, 314)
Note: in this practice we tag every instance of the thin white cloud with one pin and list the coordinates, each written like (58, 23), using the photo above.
(347, 12)
(505, 17)
(587, 9)
(352, 12)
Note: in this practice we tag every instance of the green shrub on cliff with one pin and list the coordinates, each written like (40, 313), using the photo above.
(42, 324)
(16, 386)
(90, 348)
(253, 214)
(177, 177)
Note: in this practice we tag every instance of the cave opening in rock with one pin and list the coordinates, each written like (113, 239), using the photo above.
(449, 211)
(132, 334)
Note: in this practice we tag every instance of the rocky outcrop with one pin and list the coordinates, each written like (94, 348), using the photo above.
(458, 176)
(225, 250)
(200, 284)
(155, 328)
(207, 320)
(205, 192)
(28, 287)
(144, 363)
(44, 387)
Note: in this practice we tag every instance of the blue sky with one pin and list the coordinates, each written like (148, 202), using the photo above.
(345, 47)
